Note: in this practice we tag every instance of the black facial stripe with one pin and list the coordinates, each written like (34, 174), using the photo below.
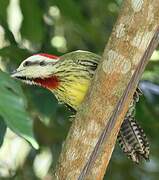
(30, 63)
(27, 63)
(43, 63)
(23, 78)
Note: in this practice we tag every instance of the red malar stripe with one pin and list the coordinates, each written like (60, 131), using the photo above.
(50, 83)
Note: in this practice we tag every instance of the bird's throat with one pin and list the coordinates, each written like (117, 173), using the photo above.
(49, 83)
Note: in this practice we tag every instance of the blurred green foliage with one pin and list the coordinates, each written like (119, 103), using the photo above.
(57, 27)
(13, 108)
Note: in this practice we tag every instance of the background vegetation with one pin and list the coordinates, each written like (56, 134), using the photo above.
(32, 123)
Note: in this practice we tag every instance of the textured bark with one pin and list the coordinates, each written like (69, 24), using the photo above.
(132, 33)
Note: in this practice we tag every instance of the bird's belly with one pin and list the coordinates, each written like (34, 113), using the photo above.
(74, 93)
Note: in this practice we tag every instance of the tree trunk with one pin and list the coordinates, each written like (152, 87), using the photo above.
(132, 33)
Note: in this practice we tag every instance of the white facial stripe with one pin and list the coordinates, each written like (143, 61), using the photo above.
(38, 58)
(30, 82)
(36, 70)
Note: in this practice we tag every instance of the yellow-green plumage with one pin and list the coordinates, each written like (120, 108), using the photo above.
(69, 78)
(75, 72)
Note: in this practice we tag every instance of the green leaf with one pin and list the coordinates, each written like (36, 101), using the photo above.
(74, 15)
(3, 128)
(14, 53)
(32, 26)
(3, 21)
(13, 108)
(3, 11)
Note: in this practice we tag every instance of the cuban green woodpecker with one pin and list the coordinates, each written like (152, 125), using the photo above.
(68, 77)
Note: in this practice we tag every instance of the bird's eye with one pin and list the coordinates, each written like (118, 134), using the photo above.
(27, 63)
(42, 63)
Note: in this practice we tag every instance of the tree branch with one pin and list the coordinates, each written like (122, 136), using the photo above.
(120, 106)
(123, 55)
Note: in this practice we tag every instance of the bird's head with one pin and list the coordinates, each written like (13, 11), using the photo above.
(39, 70)
(67, 76)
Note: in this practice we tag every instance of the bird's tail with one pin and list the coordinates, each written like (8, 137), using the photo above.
(131, 137)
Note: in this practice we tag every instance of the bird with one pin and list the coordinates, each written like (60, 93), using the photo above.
(68, 77)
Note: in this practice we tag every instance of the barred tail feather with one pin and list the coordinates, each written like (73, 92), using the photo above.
(133, 140)
(131, 137)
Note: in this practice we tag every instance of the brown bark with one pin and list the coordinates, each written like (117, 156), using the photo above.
(132, 33)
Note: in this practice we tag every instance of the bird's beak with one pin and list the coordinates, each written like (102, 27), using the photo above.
(13, 74)
(16, 74)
